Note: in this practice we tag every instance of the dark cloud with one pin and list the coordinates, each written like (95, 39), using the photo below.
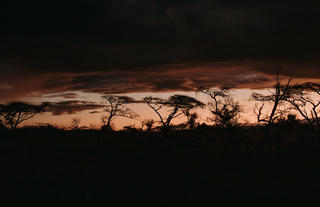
(95, 112)
(63, 95)
(172, 78)
(120, 46)
(71, 107)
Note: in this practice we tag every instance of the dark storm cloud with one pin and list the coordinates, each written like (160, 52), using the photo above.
(121, 46)
(71, 107)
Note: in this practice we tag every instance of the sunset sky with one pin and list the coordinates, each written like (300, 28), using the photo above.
(72, 52)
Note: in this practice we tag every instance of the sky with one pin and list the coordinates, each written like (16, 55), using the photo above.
(72, 52)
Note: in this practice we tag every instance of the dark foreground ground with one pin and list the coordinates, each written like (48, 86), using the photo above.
(210, 167)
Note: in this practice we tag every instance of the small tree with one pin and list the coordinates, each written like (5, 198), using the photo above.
(177, 105)
(75, 124)
(192, 117)
(148, 123)
(13, 114)
(116, 106)
(225, 111)
(277, 98)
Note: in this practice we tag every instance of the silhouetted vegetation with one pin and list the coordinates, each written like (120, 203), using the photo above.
(116, 106)
(224, 110)
(267, 164)
(15, 113)
(177, 105)
(148, 123)
(75, 124)
(277, 98)
(307, 106)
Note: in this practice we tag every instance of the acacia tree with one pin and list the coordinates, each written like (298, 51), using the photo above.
(305, 99)
(177, 105)
(116, 106)
(13, 114)
(277, 98)
(187, 104)
(225, 111)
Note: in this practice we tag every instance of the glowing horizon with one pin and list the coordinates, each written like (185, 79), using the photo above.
(93, 120)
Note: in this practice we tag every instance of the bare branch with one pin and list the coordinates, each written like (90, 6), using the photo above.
(226, 112)
(17, 112)
(176, 105)
(116, 106)
(278, 96)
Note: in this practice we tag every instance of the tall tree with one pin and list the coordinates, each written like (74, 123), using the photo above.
(277, 98)
(116, 106)
(13, 114)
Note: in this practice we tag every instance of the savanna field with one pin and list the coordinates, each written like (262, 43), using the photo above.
(212, 166)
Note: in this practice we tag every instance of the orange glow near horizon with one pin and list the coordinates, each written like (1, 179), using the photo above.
(93, 120)
(144, 112)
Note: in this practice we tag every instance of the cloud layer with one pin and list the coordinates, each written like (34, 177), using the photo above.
(71, 107)
(121, 46)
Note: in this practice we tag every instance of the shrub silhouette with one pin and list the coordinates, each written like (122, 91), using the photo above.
(148, 123)
(75, 124)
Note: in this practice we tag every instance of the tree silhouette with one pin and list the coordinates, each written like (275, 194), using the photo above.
(148, 123)
(116, 106)
(75, 123)
(225, 111)
(303, 98)
(191, 119)
(177, 105)
(277, 98)
(15, 113)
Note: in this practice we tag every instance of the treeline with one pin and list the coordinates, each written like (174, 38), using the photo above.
(286, 101)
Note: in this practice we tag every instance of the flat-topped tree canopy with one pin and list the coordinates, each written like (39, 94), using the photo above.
(177, 104)
(15, 113)
(183, 101)
(116, 106)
